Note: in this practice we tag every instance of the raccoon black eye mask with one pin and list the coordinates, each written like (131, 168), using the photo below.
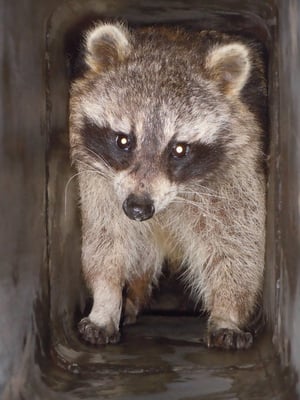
(180, 161)
(194, 160)
(166, 130)
(115, 148)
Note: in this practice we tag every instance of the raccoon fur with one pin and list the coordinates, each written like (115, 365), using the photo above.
(166, 132)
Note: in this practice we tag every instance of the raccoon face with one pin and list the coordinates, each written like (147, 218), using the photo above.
(153, 117)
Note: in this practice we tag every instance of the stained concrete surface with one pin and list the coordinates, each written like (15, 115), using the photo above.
(164, 358)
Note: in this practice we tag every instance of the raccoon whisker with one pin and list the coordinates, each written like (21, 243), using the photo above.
(204, 211)
(86, 164)
(98, 156)
(200, 194)
(196, 186)
(68, 184)
(183, 200)
(189, 201)
(205, 193)
(105, 174)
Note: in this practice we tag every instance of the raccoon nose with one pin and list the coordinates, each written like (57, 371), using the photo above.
(138, 207)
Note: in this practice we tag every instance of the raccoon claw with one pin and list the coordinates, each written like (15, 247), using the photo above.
(230, 339)
(95, 334)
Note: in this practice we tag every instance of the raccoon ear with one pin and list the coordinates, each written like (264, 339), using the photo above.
(106, 46)
(229, 65)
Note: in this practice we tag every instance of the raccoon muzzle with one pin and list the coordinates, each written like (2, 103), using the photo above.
(139, 207)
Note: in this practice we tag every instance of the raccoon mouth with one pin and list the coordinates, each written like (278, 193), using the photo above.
(139, 207)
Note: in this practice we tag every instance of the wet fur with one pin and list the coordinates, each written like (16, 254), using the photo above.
(165, 86)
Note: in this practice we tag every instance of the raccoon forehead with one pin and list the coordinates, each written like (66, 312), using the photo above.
(197, 125)
(203, 124)
(111, 117)
(192, 117)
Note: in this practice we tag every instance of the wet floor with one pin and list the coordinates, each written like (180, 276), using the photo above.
(163, 358)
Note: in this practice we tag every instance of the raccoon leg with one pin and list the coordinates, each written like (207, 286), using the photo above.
(230, 287)
(102, 324)
(231, 302)
(137, 295)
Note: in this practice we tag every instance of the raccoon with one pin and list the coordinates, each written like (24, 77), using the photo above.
(166, 132)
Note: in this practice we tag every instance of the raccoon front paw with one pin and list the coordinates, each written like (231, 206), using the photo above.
(229, 339)
(94, 334)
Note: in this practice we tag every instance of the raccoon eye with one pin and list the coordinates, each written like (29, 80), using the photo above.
(180, 150)
(123, 142)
